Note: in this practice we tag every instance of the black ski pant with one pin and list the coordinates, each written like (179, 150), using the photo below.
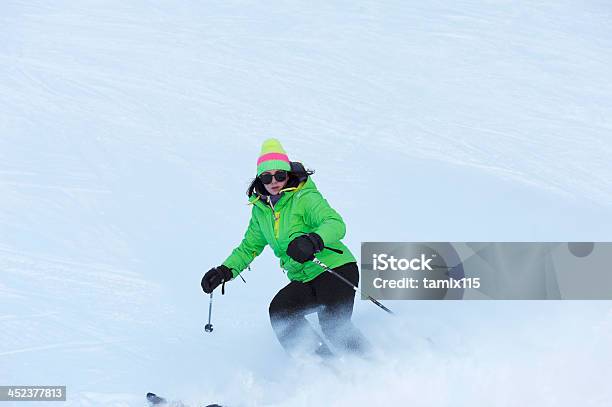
(332, 299)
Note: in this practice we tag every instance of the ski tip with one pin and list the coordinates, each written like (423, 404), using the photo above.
(154, 399)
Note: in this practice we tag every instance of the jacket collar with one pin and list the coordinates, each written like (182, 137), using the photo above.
(257, 197)
(296, 167)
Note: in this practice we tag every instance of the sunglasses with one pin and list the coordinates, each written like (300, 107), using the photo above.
(266, 178)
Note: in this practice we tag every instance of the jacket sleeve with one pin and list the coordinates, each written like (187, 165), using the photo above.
(324, 219)
(251, 246)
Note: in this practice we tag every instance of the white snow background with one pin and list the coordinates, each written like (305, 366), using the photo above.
(129, 131)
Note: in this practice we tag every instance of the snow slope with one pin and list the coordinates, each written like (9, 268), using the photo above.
(129, 132)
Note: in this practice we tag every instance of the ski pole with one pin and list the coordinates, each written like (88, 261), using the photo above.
(208, 327)
(317, 261)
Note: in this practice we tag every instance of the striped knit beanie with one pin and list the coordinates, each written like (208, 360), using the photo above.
(272, 157)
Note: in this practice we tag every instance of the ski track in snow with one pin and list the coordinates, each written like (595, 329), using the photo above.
(61, 311)
(128, 132)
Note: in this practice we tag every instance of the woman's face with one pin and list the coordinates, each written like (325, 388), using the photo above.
(275, 186)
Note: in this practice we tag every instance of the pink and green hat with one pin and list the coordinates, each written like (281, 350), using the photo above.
(272, 157)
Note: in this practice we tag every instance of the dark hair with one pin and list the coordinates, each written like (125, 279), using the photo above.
(297, 174)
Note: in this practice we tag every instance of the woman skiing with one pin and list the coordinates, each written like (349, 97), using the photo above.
(291, 216)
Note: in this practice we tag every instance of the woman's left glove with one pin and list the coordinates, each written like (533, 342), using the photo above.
(214, 277)
(303, 248)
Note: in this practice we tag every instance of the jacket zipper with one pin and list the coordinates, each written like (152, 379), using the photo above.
(276, 216)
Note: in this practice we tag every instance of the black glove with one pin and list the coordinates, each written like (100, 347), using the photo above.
(214, 277)
(303, 248)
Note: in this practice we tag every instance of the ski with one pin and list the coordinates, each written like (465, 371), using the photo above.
(155, 400)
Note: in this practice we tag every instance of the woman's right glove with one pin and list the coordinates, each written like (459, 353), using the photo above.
(214, 277)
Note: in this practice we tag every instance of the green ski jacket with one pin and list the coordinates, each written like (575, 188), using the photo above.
(299, 210)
